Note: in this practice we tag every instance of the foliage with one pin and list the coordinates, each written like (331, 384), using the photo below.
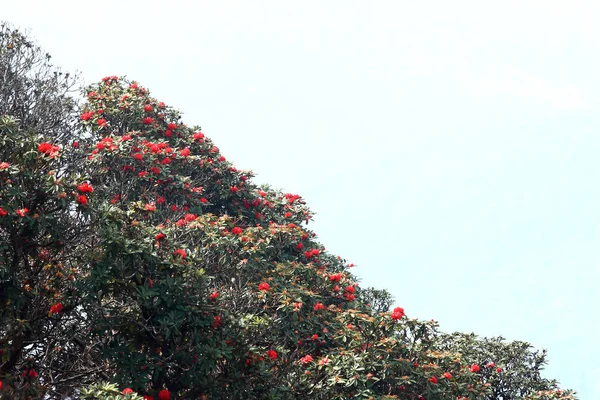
(134, 253)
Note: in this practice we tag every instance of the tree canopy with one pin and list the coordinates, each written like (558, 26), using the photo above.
(137, 262)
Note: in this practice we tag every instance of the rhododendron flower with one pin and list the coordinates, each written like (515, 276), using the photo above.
(447, 375)
(319, 306)
(203, 200)
(83, 200)
(87, 115)
(217, 320)
(335, 277)
(48, 149)
(498, 370)
(433, 379)
(306, 359)
(159, 236)
(147, 397)
(263, 286)
(397, 313)
(166, 161)
(164, 395)
(234, 189)
(287, 214)
(172, 126)
(236, 230)
(324, 360)
(148, 121)
(185, 152)
(56, 308)
(272, 354)
(138, 156)
(4, 165)
(32, 373)
(155, 170)
(214, 295)
(180, 252)
(148, 107)
(168, 133)
(221, 158)
(142, 174)
(3, 212)
(475, 368)
(299, 246)
(127, 390)
(85, 188)
(490, 365)
(101, 122)
(150, 207)
(22, 212)
(198, 136)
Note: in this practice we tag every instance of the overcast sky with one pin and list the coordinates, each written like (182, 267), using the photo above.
(449, 148)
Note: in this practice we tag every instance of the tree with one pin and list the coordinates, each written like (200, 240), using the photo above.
(139, 256)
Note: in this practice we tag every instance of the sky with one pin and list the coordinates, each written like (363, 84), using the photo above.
(449, 149)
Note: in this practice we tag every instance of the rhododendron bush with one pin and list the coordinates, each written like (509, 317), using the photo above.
(137, 262)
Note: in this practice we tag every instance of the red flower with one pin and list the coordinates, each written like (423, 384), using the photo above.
(397, 313)
(87, 115)
(48, 149)
(101, 122)
(155, 170)
(3, 212)
(142, 174)
(150, 207)
(433, 379)
(447, 375)
(32, 373)
(498, 370)
(335, 277)
(159, 236)
(148, 107)
(164, 395)
(198, 136)
(22, 212)
(221, 158)
(56, 308)
(85, 188)
(319, 306)
(306, 359)
(214, 295)
(127, 390)
(147, 397)
(234, 189)
(82, 200)
(272, 354)
(217, 320)
(172, 126)
(287, 214)
(350, 289)
(181, 253)
(147, 121)
(236, 230)
(168, 133)
(166, 161)
(203, 200)
(475, 368)
(184, 152)
(264, 286)
(490, 365)
(138, 156)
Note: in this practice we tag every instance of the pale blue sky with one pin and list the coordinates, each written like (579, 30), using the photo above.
(449, 148)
